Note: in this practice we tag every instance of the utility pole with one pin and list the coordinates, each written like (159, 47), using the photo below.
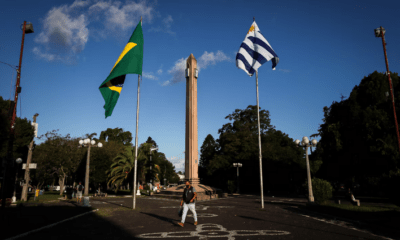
(27, 28)
(24, 195)
(380, 32)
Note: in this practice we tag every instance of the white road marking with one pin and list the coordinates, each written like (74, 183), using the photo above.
(203, 215)
(204, 231)
(201, 207)
(345, 225)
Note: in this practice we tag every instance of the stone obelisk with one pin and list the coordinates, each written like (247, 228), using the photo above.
(191, 144)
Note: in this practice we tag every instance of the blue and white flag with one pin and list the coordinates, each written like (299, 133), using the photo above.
(255, 51)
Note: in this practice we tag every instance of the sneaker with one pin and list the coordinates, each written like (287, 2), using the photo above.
(180, 224)
(195, 223)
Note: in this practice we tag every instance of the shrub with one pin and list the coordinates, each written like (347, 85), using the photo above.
(231, 186)
(322, 190)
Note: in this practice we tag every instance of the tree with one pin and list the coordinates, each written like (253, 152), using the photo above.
(150, 140)
(23, 135)
(123, 165)
(238, 142)
(58, 156)
(358, 136)
(101, 160)
(117, 135)
(207, 151)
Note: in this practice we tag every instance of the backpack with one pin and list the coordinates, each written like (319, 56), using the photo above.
(80, 188)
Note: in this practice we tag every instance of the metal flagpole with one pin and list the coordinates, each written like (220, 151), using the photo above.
(259, 146)
(136, 140)
(136, 145)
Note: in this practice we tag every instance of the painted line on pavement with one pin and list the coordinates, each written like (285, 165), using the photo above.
(204, 231)
(51, 225)
(345, 225)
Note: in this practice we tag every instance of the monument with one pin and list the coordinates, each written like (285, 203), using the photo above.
(191, 137)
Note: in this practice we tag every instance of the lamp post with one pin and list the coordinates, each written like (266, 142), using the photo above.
(305, 143)
(18, 161)
(237, 165)
(24, 194)
(380, 32)
(26, 28)
(89, 144)
(151, 164)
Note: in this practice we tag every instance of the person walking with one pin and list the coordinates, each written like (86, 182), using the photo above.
(189, 195)
(79, 190)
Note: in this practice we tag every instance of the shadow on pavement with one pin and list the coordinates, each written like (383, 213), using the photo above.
(383, 223)
(169, 220)
(23, 219)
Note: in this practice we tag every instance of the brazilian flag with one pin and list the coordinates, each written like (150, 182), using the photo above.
(130, 61)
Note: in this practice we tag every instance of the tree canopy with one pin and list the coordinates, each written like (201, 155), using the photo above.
(358, 135)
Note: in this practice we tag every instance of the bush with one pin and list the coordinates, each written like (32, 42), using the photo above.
(322, 190)
(231, 186)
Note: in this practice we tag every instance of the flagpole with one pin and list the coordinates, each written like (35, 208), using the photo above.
(136, 145)
(259, 146)
(136, 139)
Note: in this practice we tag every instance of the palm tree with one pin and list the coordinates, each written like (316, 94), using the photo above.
(123, 165)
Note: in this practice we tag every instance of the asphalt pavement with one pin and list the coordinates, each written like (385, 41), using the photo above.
(236, 217)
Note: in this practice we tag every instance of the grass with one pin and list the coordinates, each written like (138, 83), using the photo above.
(110, 211)
(362, 208)
(355, 212)
(46, 197)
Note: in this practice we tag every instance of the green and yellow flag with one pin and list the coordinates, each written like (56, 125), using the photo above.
(130, 61)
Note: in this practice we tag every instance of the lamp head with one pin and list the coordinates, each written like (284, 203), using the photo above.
(99, 145)
(19, 160)
(305, 141)
(314, 142)
(28, 28)
(93, 142)
(80, 142)
(378, 32)
(297, 142)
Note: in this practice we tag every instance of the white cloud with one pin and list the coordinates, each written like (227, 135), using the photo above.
(166, 83)
(284, 70)
(149, 76)
(160, 71)
(211, 59)
(178, 70)
(47, 56)
(179, 163)
(65, 28)
(117, 15)
(166, 28)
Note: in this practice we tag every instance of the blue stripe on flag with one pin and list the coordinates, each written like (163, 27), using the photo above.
(255, 55)
(248, 67)
(262, 44)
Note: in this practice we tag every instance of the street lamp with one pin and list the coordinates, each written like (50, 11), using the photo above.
(18, 161)
(237, 165)
(306, 143)
(89, 144)
(380, 32)
(151, 149)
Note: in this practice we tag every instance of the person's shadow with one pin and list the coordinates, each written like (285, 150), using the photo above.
(173, 221)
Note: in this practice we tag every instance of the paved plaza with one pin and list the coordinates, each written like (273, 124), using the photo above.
(236, 217)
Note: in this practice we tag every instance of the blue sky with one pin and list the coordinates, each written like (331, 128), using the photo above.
(325, 49)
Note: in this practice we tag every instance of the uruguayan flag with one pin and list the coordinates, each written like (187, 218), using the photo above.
(255, 51)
